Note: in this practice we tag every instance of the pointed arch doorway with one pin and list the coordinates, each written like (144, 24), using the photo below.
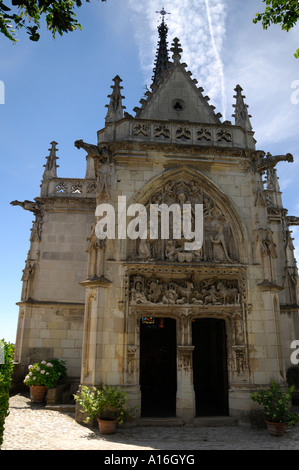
(158, 371)
(210, 373)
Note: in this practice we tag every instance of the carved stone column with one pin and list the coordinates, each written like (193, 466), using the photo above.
(185, 389)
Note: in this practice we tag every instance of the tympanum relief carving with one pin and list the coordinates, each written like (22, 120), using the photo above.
(219, 244)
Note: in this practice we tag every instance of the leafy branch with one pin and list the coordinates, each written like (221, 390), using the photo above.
(59, 15)
(282, 12)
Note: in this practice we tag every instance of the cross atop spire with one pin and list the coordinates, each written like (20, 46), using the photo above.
(162, 58)
(163, 13)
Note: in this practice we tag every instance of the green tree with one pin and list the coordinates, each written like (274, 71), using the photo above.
(59, 15)
(282, 12)
(6, 371)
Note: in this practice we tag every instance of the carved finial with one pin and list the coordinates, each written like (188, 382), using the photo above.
(51, 165)
(115, 107)
(241, 114)
(176, 49)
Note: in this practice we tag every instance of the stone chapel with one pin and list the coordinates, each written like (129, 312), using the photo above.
(187, 334)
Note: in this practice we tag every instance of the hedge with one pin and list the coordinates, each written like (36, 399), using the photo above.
(6, 370)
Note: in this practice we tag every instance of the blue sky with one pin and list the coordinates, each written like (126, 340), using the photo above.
(57, 90)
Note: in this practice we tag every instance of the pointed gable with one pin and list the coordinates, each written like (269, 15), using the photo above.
(176, 97)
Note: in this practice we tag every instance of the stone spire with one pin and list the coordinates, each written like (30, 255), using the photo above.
(115, 107)
(241, 114)
(51, 165)
(162, 59)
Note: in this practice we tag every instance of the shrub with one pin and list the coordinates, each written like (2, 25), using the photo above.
(6, 371)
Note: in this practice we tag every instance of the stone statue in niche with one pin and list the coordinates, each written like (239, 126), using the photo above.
(28, 274)
(218, 246)
(266, 249)
(105, 179)
(95, 249)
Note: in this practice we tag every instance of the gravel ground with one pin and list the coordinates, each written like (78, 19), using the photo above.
(31, 426)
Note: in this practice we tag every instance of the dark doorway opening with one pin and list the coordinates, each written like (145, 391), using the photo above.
(158, 372)
(210, 367)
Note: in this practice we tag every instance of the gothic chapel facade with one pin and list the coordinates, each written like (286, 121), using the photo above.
(185, 333)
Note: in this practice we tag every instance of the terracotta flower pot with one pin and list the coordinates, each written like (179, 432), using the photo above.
(107, 426)
(276, 429)
(38, 393)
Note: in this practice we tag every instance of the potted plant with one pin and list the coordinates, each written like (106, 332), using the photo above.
(107, 405)
(293, 380)
(277, 404)
(43, 375)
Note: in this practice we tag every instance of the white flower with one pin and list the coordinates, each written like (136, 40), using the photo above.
(43, 362)
(49, 364)
(30, 367)
(37, 368)
(47, 373)
(34, 378)
(42, 371)
(30, 373)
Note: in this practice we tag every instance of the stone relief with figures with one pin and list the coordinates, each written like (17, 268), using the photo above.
(218, 244)
(206, 292)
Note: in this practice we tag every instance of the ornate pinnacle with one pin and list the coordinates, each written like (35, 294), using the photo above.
(115, 107)
(241, 114)
(51, 165)
(176, 50)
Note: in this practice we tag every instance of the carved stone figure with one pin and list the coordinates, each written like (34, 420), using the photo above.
(96, 248)
(37, 209)
(270, 161)
(219, 250)
(28, 274)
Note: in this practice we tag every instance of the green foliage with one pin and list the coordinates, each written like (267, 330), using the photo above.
(282, 12)
(105, 403)
(276, 404)
(47, 373)
(6, 371)
(59, 15)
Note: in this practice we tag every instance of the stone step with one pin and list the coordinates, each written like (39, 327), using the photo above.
(67, 408)
(205, 421)
(171, 421)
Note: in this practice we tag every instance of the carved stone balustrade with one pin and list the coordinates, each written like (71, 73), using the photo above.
(69, 187)
(170, 132)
